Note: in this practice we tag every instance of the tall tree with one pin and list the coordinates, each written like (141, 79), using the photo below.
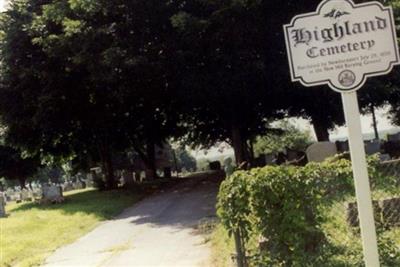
(228, 96)
(103, 82)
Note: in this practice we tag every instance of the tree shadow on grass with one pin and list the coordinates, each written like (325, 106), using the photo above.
(103, 204)
(180, 203)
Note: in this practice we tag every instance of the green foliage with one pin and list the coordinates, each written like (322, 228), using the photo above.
(93, 78)
(290, 138)
(234, 202)
(285, 203)
(289, 207)
(185, 160)
(14, 166)
(54, 174)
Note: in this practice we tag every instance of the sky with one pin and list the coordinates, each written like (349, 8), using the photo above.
(339, 133)
(1, 4)
(366, 124)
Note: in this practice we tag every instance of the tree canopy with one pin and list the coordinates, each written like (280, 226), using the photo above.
(85, 80)
(15, 166)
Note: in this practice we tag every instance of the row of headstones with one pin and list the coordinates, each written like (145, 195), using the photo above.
(22, 195)
(129, 178)
(318, 152)
(29, 195)
(69, 186)
(386, 212)
(47, 194)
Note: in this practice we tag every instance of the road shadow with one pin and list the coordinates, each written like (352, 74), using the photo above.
(187, 205)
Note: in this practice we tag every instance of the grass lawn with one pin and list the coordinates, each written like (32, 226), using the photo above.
(31, 232)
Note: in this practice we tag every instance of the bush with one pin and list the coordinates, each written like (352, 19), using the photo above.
(233, 206)
(287, 207)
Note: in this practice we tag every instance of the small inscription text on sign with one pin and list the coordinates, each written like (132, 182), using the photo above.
(342, 44)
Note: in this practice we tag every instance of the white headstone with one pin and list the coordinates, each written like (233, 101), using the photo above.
(26, 195)
(52, 193)
(318, 152)
(127, 178)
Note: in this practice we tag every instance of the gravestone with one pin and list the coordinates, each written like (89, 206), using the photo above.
(391, 211)
(89, 183)
(37, 193)
(78, 185)
(228, 167)
(393, 137)
(127, 177)
(392, 148)
(342, 146)
(384, 157)
(52, 194)
(293, 155)
(18, 196)
(67, 187)
(26, 195)
(352, 213)
(372, 147)
(142, 176)
(318, 152)
(2, 206)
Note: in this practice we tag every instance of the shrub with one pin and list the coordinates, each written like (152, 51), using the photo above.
(233, 206)
(287, 206)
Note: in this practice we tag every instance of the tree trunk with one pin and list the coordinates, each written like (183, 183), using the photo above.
(321, 131)
(147, 156)
(151, 159)
(251, 152)
(237, 143)
(108, 167)
(374, 122)
(22, 182)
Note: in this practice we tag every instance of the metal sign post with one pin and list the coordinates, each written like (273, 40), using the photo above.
(360, 172)
(341, 45)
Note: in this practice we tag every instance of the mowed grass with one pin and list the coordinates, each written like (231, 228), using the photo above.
(31, 232)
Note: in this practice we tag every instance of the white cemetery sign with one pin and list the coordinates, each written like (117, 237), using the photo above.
(341, 45)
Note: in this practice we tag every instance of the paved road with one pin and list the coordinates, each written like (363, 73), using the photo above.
(159, 231)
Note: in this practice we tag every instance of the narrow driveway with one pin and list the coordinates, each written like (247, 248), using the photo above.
(159, 231)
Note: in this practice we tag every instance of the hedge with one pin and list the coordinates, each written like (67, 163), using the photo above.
(285, 207)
